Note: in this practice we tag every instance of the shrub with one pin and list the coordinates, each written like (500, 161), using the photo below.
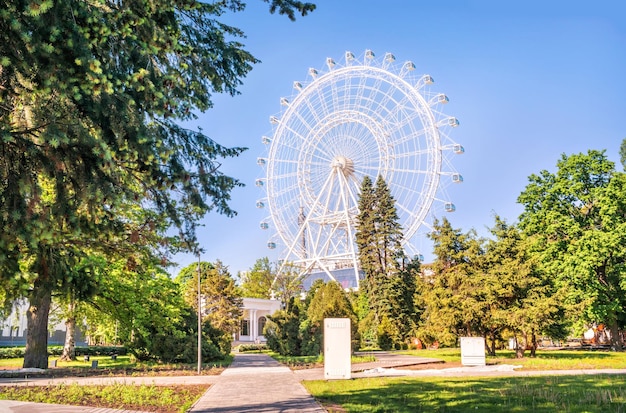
(242, 348)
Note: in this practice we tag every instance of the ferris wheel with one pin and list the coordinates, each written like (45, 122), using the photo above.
(364, 116)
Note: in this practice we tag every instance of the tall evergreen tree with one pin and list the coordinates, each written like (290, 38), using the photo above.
(221, 299)
(516, 295)
(90, 97)
(366, 230)
(448, 291)
(379, 242)
(328, 300)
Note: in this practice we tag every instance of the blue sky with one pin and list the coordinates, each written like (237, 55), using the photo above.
(528, 80)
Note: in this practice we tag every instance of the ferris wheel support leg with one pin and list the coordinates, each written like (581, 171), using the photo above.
(306, 222)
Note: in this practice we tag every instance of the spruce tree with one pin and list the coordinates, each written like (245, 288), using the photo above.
(92, 95)
(366, 231)
(382, 259)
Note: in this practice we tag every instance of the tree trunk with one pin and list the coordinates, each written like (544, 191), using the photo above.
(520, 346)
(617, 344)
(492, 347)
(36, 352)
(533, 344)
(69, 349)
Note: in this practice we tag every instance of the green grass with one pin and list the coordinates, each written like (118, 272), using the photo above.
(166, 399)
(545, 359)
(123, 364)
(575, 394)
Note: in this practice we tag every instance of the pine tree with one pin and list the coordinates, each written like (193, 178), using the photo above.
(449, 294)
(382, 259)
(328, 300)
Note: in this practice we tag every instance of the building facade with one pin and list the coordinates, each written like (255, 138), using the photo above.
(13, 329)
(255, 312)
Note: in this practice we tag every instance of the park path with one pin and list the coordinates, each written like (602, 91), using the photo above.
(255, 382)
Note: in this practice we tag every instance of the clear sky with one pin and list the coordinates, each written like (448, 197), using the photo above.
(528, 80)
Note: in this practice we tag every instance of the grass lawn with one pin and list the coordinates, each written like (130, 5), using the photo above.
(545, 359)
(150, 398)
(601, 393)
(122, 366)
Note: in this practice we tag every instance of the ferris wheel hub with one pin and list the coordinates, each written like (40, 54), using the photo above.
(343, 165)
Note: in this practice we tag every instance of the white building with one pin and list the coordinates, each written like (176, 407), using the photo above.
(13, 329)
(255, 312)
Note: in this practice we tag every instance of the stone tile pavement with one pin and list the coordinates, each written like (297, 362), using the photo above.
(257, 383)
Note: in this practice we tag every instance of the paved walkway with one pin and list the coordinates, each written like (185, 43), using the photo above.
(257, 383)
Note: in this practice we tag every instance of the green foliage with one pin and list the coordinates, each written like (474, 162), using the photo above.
(447, 290)
(255, 348)
(622, 153)
(287, 283)
(389, 283)
(491, 288)
(221, 299)
(146, 312)
(282, 330)
(18, 352)
(90, 113)
(129, 397)
(328, 300)
(576, 219)
(516, 295)
(257, 282)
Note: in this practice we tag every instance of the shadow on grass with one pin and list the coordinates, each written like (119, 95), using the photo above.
(576, 394)
(122, 366)
(561, 354)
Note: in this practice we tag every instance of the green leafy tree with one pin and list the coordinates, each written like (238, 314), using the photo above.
(622, 153)
(257, 281)
(577, 221)
(91, 94)
(287, 283)
(140, 307)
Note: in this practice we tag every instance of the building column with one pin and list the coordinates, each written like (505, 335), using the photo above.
(253, 325)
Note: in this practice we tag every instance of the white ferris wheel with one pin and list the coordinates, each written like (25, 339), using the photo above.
(364, 116)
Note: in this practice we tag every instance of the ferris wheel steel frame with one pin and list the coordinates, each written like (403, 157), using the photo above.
(366, 117)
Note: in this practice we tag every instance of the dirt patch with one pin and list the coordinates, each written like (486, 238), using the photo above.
(432, 366)
(331, 407)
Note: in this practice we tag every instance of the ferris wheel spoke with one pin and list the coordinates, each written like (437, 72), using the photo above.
(412, 154)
